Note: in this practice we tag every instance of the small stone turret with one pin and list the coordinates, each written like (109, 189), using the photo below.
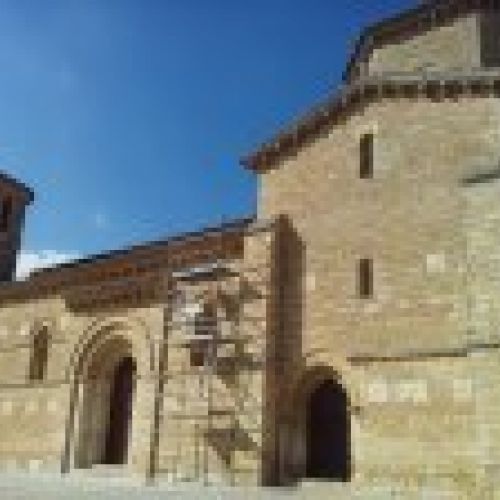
(14, 198)
(458, 37)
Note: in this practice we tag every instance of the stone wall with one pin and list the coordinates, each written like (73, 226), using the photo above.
(189, 423)
(453, 46)
(410, 220)
(37, 412)
(481, 218)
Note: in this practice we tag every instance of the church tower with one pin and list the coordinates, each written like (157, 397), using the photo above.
(14, 198)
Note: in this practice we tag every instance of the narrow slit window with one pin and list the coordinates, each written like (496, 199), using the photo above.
(366, 156)
(5, 213)
(365, 278)
(39, 355)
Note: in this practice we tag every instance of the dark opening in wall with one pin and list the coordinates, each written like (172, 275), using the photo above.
(5, 213)
(328, 433)
(39, 354)
(120, 412)
(490, 37)
(365, 277)
(366, 156)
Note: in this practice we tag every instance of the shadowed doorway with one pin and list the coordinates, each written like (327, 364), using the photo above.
(120, 409)
(328, 433)
(106, 394)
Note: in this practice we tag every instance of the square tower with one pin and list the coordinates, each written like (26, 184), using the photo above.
(14, 198)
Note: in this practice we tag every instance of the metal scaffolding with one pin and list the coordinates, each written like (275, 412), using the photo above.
(215, 401)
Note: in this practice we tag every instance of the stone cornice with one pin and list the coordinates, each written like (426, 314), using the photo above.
(482, 177)
(135, 290)
(436, 86)
(423, 355)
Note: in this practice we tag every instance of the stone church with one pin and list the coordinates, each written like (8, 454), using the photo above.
(348, 332)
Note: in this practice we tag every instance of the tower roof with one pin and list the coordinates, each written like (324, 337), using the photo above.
(425, 16)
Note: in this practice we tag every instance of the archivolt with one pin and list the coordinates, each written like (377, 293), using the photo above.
(310, 379)
(133, 330)
(41, 323)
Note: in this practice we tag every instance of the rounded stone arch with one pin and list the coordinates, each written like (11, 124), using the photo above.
(310, 378)
(321, 426)
(39, 324)
(132, 338)
(303, 387)
(42, 322)
(132, 329)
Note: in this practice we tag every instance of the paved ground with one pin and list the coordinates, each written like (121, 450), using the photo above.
(54, 486)
(24, 485)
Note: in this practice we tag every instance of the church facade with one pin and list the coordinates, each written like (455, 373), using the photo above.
(348, 332)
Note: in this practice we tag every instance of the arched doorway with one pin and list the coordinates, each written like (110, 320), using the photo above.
(328, 433)
(105, 404)
(120, 412)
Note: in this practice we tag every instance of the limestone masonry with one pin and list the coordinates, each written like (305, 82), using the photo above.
(349, 332)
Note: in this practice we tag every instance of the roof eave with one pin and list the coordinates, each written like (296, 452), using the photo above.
(433, 86)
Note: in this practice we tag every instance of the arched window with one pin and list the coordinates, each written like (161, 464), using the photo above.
(205, 327)
(39, 354)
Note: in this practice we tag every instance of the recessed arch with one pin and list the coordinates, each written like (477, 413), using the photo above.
(110, 340)
(328, 432)
(322, 448)
(120, 412)
(106, 384)
(135, 330)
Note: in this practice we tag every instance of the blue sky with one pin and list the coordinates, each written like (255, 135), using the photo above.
(128, 117)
